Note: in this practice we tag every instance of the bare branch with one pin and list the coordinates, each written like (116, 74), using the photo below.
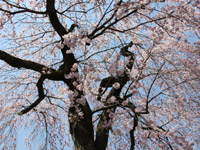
(40, 98)
(19, 63)
(170, 87)
(23, 9)
(131, 132)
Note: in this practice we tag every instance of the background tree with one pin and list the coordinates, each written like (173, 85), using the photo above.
(104, 74)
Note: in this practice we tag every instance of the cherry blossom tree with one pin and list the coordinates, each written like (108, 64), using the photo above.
(100, 74)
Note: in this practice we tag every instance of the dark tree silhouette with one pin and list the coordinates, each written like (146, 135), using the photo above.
(104, 74)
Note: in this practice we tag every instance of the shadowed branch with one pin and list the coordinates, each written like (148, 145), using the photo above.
(40, 98)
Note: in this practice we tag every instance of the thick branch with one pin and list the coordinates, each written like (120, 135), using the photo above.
(54, 18)
(81, 129)
(19, 63)
(103, 129)
(102, 132)
(109, 81)
(135, 124)
(40, 98)
(68, 59)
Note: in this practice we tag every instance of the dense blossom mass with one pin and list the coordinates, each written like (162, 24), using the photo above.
(100, 74)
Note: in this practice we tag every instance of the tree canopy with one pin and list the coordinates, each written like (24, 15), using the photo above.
(100, 74)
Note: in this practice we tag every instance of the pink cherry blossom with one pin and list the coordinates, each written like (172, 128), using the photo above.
(100, 74)
(116, 85)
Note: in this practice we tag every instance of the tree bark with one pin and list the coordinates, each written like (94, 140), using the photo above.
(81, 128)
